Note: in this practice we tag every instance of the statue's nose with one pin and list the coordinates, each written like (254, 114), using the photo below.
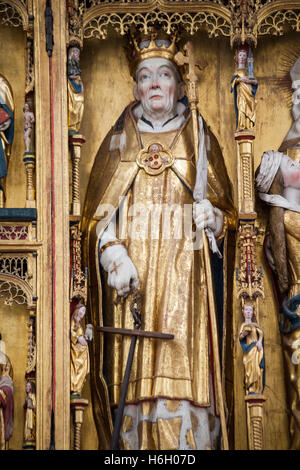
(155, 83)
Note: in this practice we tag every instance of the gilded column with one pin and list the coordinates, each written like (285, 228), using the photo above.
(43, 234)
(249, 275)
(61, 259)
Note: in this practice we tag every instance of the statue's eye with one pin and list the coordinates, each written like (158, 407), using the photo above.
(144, 76)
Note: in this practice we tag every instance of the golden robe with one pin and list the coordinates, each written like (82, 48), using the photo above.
(30, 419)
(75, 104)
(171, 274)
(80, 363)
(252, 359)
(244, 101)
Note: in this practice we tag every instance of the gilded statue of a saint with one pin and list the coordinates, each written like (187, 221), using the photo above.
(244, 88)
(278, 185)
(251, 340)
(7, 108)
(75, 91)
(80, 360)
(29, 438)
(6, 401)
(139, 234)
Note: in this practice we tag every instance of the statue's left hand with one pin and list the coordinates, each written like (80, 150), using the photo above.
(89, 332)
(206, 215)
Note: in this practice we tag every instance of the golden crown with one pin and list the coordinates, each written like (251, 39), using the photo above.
(154, 44)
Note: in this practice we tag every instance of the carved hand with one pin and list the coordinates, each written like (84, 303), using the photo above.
(5, 125)
(259, 345)
(82, 341)
(206, 215)
(122, 274)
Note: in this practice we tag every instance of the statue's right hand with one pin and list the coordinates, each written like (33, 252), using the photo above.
(82, 340)
(5, 125)
(122, 274)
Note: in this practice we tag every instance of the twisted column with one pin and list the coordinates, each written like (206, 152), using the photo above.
(29, 161)
(255, 414)
(78, 406)
(76, 141)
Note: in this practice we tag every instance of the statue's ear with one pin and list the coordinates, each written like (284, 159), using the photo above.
(136, 93)
(181, 90)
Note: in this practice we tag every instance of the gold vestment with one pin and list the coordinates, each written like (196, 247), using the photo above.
(75, 105)
(245, 101)
(30, 416)
(252, 359)
(171, 274)
(80, 364)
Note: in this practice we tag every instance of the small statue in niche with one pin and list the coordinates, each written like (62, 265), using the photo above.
(75, 91)
(6, 401)
(28, 124)
(251, 340)
(6, 130)
(244, 86)
(80, 361)
(29, 415)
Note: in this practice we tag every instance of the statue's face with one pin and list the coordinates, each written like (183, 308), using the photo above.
(242, 56)
(81, 312)
(74, 53)
(291, 172)
(248, 312)
(157, 86)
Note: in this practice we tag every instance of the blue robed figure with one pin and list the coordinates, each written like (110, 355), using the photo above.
(6, 126)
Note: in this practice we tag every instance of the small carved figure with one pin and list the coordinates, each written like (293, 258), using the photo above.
(75, 91)
(6, 401)
(80, 361)
(251, 341)
(244, 87)
(6, 129)
(28, 124)
(30, 415)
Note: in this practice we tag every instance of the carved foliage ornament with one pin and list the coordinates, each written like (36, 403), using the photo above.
(16, 13)
(241, 20)
(11, 292)
(16, 279)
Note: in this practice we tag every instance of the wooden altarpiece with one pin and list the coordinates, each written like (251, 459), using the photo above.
(40, 250)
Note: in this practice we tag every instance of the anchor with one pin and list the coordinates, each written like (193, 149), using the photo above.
(135, 308)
